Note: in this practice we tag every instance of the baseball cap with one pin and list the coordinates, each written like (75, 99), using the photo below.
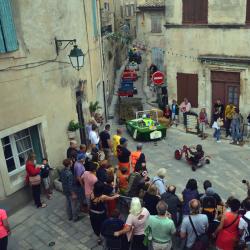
(80, 156)
(123, 140)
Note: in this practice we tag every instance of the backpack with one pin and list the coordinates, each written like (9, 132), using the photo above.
(209, 206)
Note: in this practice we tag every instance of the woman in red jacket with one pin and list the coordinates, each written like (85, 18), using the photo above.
(34, 179)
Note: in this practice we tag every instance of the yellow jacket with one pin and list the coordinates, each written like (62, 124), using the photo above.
(229, 112)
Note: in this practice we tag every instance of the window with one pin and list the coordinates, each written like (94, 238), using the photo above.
(248, 12)
(17, 147)
(128, 10)
(8, 39)
(106, 6)
(195, 11)
(156, 24)
(187, 86)
(132, 9)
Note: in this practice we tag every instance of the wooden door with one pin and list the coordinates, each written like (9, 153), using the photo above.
(226, 87)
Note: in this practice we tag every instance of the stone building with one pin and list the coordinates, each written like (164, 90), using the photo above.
(207, 52)
(40, 92)
(150, 30)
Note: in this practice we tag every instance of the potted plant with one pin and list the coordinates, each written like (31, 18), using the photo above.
(93, 107)
(72, 127)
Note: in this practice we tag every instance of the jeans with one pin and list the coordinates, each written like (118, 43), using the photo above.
(36, 193)
(236, 136)
(4, 243)
(72, 207)
(80, 195)
(217, 134)
(228, 125)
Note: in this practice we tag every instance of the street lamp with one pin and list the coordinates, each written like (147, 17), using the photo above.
(76, 55)
(76, 58)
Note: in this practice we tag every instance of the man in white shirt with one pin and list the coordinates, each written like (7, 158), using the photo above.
(94, 136)
(244, 225)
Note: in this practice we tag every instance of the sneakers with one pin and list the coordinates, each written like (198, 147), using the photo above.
(238, 143)
(219, 141)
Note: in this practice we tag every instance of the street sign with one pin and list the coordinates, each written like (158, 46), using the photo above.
(158, 78)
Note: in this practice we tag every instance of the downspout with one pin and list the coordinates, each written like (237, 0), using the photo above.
(102, 61)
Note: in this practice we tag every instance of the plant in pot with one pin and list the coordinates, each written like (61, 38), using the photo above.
(93, 107)
(72, 127)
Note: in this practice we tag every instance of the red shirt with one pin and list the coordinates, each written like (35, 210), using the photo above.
(31, 170)
(3, 230)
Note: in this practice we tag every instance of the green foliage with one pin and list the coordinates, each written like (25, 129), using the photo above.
(119, 37)
(73, 126)
(93, 107)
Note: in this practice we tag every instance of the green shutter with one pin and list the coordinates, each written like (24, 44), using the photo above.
(8, 39)
(94, 18)
(36, 143)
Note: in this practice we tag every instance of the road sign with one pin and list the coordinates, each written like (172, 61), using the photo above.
(158, 78)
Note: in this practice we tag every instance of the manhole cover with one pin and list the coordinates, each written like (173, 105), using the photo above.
(51, 244)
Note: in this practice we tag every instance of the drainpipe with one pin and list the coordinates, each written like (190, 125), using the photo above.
(102, 61)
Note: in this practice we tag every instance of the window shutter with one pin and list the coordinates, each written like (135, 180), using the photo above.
(187, 86)
(195, 11)
(8, 39)
(94, 18)
(248, 12)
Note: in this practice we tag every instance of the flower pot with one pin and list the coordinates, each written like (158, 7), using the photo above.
(71, 134)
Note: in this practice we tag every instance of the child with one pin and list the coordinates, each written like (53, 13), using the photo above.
(196, 156)
(167, 112)
(202, 119)
(122, 180)
(45, 177)
(175, 112)
(217, 125)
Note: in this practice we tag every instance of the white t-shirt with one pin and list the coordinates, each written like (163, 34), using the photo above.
(139, 225)
(243, 226)
(93, 137)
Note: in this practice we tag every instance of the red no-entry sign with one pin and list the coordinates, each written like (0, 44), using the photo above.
(158, 78)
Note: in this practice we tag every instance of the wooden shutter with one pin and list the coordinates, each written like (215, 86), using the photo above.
(188, 11)
(155, 24)
(8, 39)
(187, 86)
(201, 11)
(248, 12)
(195, 11)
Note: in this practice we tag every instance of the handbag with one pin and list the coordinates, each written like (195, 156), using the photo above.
(148, 236)
(201, 241)
(35, 180)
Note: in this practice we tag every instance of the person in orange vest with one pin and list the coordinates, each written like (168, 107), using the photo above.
(137, 156)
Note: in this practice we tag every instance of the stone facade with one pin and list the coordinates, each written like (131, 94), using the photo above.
(220, 45)
(145, 10)
(37, 87)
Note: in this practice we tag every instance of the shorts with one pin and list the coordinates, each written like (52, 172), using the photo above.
(107, 152)
(46, 182)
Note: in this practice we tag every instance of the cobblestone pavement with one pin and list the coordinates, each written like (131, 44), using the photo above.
(37, 228)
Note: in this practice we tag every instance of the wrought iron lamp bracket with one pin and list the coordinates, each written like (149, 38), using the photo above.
(59, 44)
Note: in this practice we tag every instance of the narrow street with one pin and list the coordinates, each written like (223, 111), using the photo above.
(37, 229)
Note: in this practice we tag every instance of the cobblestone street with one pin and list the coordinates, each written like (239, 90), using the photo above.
(49, 228)
(36, 229)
